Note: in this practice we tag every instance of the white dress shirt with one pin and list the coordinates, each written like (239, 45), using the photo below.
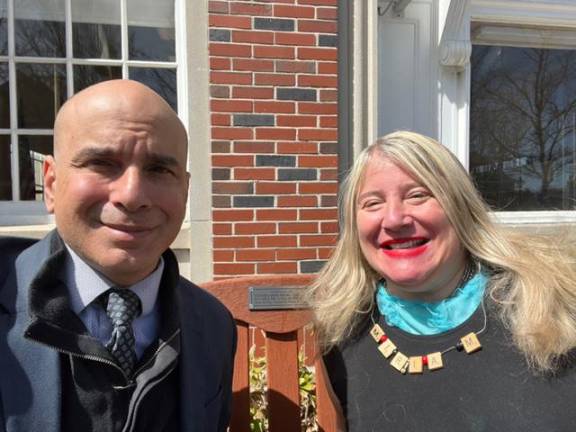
(85, 285)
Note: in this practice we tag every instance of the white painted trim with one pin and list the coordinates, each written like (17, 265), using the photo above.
(23, 213)
(551, 12)
(199, 155)
(95, 62)
(529, 37)
(365, 74)
(535, 217)
(454, 77)
(14, 162)
(69, 51)
(36, 132)
(371, 84)
(182, 64)
(399, 6)
(124, 37)
(408, 94)
(455, 45)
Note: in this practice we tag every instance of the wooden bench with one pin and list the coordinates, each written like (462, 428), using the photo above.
(281, 345)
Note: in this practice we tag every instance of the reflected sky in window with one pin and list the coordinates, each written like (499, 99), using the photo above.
(522, 127)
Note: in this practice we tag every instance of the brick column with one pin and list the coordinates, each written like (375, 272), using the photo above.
(273, 76)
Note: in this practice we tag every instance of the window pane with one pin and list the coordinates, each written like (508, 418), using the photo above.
(41, 91)
(39, 28)
(3, 28)
(523, 124)
(4, 97)
(96, 29)
(32, 152)
(151, 30)
(85, 76)
(162, 81)
(5, 168)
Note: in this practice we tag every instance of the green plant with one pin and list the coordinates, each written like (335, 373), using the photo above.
(307, 384)
(259, 388)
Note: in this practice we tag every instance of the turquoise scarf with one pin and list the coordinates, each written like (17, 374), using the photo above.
(421, 318)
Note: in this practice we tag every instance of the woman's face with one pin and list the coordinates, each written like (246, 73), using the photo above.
(405, 235)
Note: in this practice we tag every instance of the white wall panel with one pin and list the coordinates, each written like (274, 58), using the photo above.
(408, 69)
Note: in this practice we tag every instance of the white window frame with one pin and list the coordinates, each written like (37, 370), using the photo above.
(454, 119)
(25, 213)
(450, 45)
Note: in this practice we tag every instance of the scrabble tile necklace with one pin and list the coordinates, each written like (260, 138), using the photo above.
(415, 364)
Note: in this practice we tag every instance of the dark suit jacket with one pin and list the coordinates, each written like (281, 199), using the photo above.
(30, 372)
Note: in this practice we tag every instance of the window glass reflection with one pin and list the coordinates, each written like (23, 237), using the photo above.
(151, 33)
(39, 28)
(523, 127)
(5, 169)
(3, 28)
(162, 81)
(4, 97)
(32, 152)
(85, 76)
(41, 91)
(96, 41)
(96, 29)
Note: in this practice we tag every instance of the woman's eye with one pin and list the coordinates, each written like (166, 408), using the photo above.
(419, 195)
(370, 204)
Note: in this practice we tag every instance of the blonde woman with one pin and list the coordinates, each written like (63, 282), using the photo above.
(433, 318)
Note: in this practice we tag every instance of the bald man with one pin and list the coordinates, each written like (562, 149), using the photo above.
(98, 332)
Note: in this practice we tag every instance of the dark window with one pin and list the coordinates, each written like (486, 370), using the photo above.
(523, 127)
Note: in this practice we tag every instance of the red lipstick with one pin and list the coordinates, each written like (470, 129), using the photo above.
(420, 246)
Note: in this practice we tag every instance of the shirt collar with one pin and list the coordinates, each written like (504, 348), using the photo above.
(85, 284)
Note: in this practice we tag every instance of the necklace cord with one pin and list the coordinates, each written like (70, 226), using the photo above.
(469, 342)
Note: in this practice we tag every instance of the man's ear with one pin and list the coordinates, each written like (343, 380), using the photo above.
(49, 169)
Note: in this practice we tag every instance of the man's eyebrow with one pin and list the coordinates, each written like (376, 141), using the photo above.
(93, 152)
(162, 159)
(103, 152)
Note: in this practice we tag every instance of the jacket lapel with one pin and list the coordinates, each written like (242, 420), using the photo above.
(193, 366)
(30, 378)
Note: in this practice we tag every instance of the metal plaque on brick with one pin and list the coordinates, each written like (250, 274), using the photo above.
(275, 298)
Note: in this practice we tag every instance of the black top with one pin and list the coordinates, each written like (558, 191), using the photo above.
(489, 390)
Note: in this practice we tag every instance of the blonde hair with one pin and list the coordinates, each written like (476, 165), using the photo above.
(533, 281)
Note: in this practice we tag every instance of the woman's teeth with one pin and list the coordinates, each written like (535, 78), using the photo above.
(407, 244)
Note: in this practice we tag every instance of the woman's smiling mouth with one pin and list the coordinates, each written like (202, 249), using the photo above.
(405, 247)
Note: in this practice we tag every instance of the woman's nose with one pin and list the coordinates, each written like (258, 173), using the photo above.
(396, 216)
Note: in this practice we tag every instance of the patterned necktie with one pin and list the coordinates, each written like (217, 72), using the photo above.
(123, 306)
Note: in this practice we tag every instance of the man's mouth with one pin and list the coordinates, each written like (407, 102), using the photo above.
(128, 228)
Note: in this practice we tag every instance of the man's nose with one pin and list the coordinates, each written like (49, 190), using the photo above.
(130, 190)
(396, 216)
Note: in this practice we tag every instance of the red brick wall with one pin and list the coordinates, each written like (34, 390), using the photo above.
(273, 77)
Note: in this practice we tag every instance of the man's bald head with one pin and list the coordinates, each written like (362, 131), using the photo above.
(120, 97)
(117, 183)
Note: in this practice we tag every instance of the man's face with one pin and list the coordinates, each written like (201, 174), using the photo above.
(118, 188)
